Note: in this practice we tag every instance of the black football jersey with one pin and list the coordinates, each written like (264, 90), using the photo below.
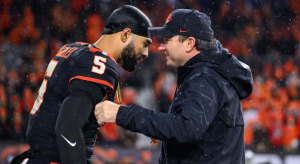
(77, 61)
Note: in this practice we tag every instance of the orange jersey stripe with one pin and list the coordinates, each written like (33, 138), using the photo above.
(93, 80)
(81, 43)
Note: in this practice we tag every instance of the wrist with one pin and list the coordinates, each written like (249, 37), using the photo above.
(116, 110)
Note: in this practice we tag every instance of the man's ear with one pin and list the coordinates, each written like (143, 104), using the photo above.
(190, 43)
(125, 34)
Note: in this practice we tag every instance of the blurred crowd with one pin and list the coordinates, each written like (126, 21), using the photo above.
(114, 155)
(265, 34)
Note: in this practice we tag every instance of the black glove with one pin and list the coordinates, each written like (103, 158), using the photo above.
(19, 158)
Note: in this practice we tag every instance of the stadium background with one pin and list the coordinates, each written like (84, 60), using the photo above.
(265, 34)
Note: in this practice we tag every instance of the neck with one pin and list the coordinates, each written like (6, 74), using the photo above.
(110, 44)
(194, 53)
(190, 55)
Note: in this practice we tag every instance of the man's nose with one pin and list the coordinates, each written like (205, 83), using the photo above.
(162, 47)
(145, 52)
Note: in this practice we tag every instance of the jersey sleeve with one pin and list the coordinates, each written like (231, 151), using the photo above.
(98, 67)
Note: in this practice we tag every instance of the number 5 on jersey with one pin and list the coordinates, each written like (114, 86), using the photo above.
(100, 66)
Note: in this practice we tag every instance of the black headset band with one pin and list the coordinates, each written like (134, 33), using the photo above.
(136, 29)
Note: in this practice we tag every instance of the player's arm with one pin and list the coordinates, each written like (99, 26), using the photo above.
(74, 113)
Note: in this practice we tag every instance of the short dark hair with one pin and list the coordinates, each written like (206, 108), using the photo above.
(200, 44)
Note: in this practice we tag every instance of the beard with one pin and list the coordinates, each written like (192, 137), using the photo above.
(129, 60)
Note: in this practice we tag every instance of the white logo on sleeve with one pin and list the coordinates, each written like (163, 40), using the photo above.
(72, 144)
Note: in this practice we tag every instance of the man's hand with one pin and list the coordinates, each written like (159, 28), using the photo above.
(106, 111)
(154, 142)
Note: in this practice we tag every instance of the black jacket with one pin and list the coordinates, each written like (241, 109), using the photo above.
(205, 122)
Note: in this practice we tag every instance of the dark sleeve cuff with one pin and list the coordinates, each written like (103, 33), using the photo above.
(121, 115)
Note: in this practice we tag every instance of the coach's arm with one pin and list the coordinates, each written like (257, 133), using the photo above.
(190, 116)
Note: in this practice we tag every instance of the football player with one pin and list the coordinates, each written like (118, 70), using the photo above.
(62, 126)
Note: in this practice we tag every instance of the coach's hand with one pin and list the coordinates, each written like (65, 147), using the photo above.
(106, 111)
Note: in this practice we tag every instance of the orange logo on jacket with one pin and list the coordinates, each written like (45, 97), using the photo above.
(168, 19)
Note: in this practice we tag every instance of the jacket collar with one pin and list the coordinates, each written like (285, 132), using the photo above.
(215, 55)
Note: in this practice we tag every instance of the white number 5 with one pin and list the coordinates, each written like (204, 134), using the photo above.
(100, 66)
